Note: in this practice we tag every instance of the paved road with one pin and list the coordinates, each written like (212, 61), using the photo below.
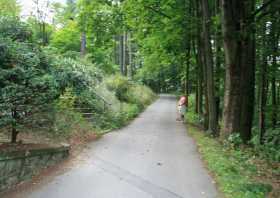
(153, 157)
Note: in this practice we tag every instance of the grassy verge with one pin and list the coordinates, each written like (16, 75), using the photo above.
(238, 172)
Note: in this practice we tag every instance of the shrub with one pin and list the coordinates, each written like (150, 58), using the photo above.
(129, 92)
(120, 86)
(27, 87)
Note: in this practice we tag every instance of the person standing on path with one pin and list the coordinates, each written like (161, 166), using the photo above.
(182, 107)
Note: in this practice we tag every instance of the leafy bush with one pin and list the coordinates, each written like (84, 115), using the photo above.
(191, 116)
(11, 27)
(27, 85)
(271, 146)
(129, 92)
(140, 95)
(120, 86)
(235, 139)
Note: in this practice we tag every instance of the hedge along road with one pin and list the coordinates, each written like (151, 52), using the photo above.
(153, 157)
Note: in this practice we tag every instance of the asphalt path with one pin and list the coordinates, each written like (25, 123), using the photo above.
(153, 157)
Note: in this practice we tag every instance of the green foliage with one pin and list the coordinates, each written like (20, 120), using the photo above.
(194, 118)
(234, 169)
(9, 8)
(26, 84)
(12, 28)
(66, 120)
(124, 101)
(100, 21)
(191, 116)
(270, 149)
(235, 139)
(162, 32)
(120, 86)
(67, 38)
(129, 92)
(140, 95)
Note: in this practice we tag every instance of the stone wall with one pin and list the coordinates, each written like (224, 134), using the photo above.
(18, 166)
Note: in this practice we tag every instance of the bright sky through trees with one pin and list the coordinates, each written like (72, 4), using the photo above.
(28, 7)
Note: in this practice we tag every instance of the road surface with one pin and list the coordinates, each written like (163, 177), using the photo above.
(153, 157)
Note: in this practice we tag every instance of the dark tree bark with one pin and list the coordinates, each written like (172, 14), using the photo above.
(199, 84)
(239, 46)
(218, 59)
(187, 71)
(201, 59)
(213, 121)
(275, 41)
(263, 86)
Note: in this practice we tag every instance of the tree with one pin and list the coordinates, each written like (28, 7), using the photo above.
(239, 45)
(26, 84)
(213, 120)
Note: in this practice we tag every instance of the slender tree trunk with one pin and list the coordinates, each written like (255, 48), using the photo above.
(129, 43)
(14, 129)
(239, 46)
(263, 87)
(213, 124)
(275, 41)
(121, 56)
(125, 57)
(199, 74)
(206, 103)
(187, 71)
(201, 56)
(218, 62)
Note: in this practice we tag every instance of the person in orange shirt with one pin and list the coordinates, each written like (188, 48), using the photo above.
(182, 107)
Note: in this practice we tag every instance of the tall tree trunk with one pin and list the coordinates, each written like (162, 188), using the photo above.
(263, 86)
(121, 50)
(129, 46)
(199, 77)
(201, 56)
(213, 121)
(239, 46)
(125, 57)
(218, 60)
(187, 71)
(275, 41)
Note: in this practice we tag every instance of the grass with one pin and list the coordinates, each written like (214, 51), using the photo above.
(235, 171)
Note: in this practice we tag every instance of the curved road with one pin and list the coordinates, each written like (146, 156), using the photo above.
(153, 157)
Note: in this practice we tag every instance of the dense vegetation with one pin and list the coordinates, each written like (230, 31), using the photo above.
(90, 64)
(49, 88)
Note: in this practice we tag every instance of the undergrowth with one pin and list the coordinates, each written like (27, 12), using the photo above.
(235, 169)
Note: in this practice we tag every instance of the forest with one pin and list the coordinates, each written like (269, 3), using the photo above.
(98, 63)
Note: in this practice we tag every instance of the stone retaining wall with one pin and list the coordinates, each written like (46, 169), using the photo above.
(18, 166)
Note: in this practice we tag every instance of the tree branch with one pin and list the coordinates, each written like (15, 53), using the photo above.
(158, 11)
(265, 5)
